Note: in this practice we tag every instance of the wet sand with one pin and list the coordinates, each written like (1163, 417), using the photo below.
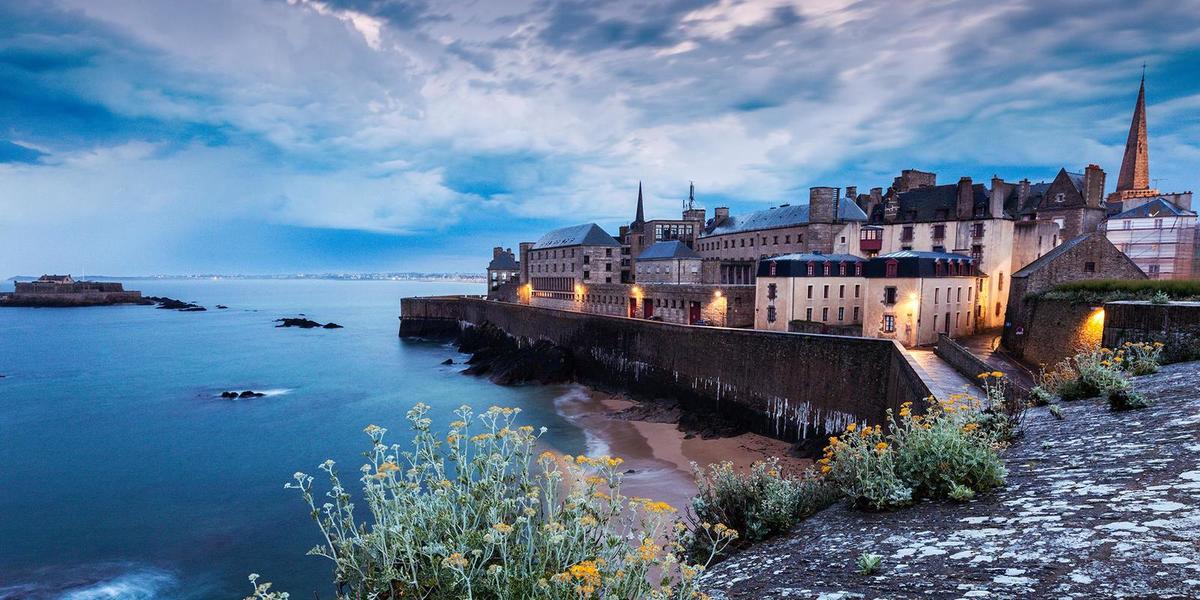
(658, 453)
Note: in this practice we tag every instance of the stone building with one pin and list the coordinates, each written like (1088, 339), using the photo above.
(64, 290)
(795, 291)
(668, 262)
(640, 234)
(1073, 201)
(828, 224)
(1089, 256)
(715, 305)
(912, 296)
(502, 270)
(564, 260)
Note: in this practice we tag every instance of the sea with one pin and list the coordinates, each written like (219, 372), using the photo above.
(124, 474)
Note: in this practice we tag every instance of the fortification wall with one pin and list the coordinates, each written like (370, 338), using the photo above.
(1176, 325)
(786, 385)
(69, 299)
(1055, 330)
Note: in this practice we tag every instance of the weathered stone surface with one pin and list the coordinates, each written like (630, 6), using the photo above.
(1099, 505)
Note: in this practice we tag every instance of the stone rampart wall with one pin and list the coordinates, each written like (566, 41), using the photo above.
(1176, 325)
(785, 385)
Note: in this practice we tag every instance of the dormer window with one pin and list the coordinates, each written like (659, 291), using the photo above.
(892, 267)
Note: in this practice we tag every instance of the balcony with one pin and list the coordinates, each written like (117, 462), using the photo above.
(867, 245)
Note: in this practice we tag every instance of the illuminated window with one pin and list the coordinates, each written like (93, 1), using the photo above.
(889, 323)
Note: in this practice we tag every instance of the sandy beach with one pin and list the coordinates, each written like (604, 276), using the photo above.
(659, 454)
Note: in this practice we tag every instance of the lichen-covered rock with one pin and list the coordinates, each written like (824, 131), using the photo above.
(1101, 504)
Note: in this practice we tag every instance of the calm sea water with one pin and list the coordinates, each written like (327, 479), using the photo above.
(123, 475)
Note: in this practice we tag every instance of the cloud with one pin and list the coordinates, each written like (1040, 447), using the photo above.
(412, 118)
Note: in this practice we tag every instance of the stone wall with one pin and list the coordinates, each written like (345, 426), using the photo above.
(70, 299)
(789, 386)
(1176, 325)
(1056, 329)
(969, 365)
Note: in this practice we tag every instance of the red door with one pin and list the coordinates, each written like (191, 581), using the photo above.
(693, 312)
(647, 309)
(632, 308)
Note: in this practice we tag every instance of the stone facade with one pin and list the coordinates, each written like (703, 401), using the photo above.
(502, 270)
(566, 259)
(1086, 257)
(720, 306)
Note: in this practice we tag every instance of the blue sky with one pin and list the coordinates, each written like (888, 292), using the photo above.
(266, 136)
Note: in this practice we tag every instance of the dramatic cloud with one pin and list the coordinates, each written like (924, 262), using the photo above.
(253, 135)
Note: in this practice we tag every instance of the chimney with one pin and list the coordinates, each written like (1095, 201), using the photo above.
(720, 215)
(1093, 185)
(966, 199)
(1000, 192)
(496, 252)
(822, 204)
(1022, 193)
(852, 192)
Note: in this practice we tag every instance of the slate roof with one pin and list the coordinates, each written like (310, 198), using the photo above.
(1054, 253)
(925, 254)
(813, 256)
(673, 249)
(934, 203)
(1158, 207)
(588, 234)
(782, 216)
(504, 262)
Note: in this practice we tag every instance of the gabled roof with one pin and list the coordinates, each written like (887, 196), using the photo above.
(1050, 256)
(1158, 207)
(673, 249)
(588, 234)
(782, 216)
(504, 262)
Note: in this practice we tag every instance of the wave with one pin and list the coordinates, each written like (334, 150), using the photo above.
(101, 582)
(575, 405)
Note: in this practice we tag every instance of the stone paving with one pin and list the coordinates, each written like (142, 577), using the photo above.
(986, 347)
(941, 378)
(1100, 504)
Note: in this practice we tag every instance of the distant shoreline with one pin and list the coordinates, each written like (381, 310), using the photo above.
(429, 277)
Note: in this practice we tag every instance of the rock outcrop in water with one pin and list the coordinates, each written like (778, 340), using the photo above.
(245, 394)
(499, 357)
(166, 303)
(305, 323)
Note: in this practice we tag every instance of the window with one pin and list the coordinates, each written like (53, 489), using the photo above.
(608, 266)
(889, 295)
(811, 270)
(935, 322)
(906, 234)
(808, 314)
(936, 296)
(939, 231)
(771, 287)
(1060, 197)
(587, 259)
(810, 291)
(958, 295)
(1127, 224)
(858, 270)
(841, 291)
(1089, 267)
(1152, 270)
(855, 314)
(1000, 282)
(587, 274)
(892, 267)
(770, 314)
(825, 314)
(841, 313)
(977, 252)
(787, 239)
(1158, 223)
(776, 240)
(608, 252)
(977, 230)
(997, 309)
(856, 291)
(825, 292)
(889, 323)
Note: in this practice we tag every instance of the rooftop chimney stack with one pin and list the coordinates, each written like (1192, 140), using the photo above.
(720, 215)
(822, 204)
(1000, 191)
(852, 192)
(966, 199)
(496, 251)
(1093, 186)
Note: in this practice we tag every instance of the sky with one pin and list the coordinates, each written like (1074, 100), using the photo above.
(285, 136)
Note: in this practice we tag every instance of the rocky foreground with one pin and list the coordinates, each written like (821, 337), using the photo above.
(1100, 504)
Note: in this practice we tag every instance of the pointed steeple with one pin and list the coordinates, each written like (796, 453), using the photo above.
(640, 219)
(1135, 166)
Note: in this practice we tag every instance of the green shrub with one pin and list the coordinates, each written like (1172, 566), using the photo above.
(868, 563)
(1096, 372)
(961, 493)
(1160, 297)
(759, 503)
(1039, 396)
(1098, 291)
(474, 515)
(1057, 412)
(921, 456)
(1139, 358)
(1125, 398)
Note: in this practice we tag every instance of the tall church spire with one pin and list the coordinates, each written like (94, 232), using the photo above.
(1135, 167)
(641, 217)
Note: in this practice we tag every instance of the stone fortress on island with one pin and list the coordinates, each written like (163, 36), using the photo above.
(912, 262)
(63, 290)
